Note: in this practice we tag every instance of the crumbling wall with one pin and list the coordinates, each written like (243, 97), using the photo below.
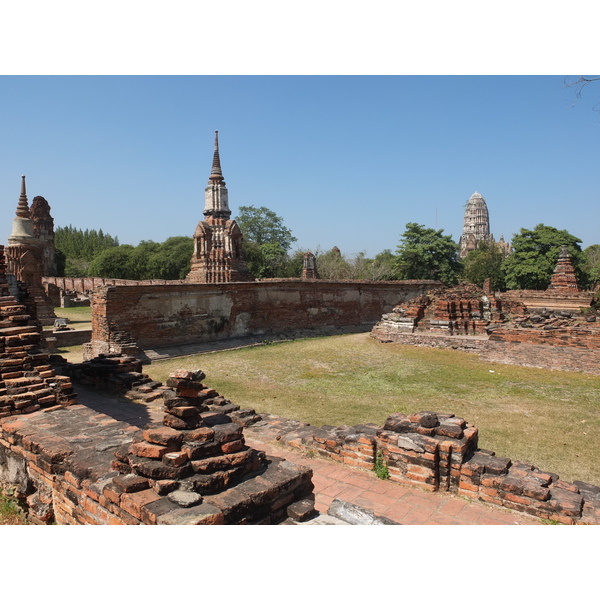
(165, 315)
(512, 328)
(439, 453)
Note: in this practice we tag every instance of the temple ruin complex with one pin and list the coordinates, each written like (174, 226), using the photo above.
(558, 328)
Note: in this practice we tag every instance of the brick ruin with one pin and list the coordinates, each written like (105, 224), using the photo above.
(439, 452)
(309, 266)
(557, 328)
(30, 252)
(77, 466)
(73, 465)
(28, 381)
(131, 319)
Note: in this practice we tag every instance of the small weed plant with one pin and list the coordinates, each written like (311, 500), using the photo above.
(380, 467)
(10, 511)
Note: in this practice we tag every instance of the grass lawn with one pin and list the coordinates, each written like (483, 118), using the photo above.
(74, 354)
(548, 418)
(80, 317)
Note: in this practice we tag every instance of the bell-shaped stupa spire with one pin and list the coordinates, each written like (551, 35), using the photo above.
(22, 230)
(23, 205)
(216, 174)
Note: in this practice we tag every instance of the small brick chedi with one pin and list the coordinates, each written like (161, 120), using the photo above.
(24, 253)
(218, 255)
(564, 277)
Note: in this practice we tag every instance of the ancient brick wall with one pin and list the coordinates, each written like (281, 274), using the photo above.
(567, 349)
(550, 299)
(439, 453)
(154, 316)
(84, 285)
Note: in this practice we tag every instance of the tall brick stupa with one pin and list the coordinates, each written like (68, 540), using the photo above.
(218, 255)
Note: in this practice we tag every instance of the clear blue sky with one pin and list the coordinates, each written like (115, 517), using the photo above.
(345, 160)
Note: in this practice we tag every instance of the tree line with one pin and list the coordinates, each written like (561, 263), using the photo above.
(422, 253)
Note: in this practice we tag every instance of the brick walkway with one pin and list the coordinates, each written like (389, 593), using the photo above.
(401, 503)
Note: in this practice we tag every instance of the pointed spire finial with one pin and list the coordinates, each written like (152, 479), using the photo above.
(23, 205)
(216, 175)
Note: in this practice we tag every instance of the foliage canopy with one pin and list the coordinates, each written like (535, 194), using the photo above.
(483, 263)
(267, 242)
(534, 257)
(426, 253)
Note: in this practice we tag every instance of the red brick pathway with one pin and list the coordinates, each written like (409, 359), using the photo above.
(401, 503)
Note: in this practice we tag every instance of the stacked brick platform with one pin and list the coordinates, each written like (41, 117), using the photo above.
(199, 450)
(76, 466)
(27, 380)
(426, 449)
(116, 373)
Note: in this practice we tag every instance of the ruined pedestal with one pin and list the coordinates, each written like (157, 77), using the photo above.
(198, 460)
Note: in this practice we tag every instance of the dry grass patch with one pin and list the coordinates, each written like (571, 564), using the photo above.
(10, 511)
(79, 317)
(549, 418)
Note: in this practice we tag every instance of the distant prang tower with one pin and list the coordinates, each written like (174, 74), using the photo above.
(218, 255)
(476, 228)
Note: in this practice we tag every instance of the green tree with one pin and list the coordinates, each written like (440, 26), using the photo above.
(267, 241)
(263, 226)
(384, 266)
(483, 263)
(332, 265)
(148, 260)
(426, 253)
(79, 247)
(265, 260)
(592, 265)
(534, 257)
(172, 259)
(116, 263)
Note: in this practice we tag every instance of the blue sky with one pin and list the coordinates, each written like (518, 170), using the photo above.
(345, 160)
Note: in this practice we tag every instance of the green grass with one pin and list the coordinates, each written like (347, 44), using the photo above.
(548, 418)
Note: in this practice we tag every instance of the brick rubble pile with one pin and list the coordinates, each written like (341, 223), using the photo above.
(28, 382)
